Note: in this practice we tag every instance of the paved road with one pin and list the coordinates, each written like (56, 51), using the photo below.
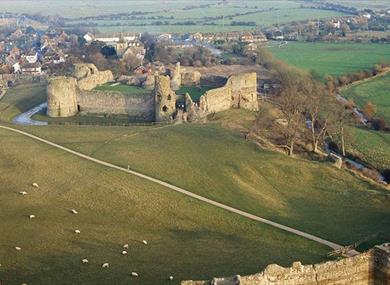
(25, 118)
(187, 193)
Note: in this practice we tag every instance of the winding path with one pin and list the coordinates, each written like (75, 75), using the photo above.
(187, 193)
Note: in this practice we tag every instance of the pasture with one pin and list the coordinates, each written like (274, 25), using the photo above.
(183, 241)
(376, 91)
(371, 146)
(174, 16)
(332, 58)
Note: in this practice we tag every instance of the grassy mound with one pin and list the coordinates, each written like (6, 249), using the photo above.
(211, 161)
(186, 238)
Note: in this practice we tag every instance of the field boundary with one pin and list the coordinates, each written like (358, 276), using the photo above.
(330, 244)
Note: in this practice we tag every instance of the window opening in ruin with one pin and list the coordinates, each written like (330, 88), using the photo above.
(78, 108)
(165, 108)
(169, 97)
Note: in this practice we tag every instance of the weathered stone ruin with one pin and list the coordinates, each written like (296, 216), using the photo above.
(68, 96)
(369, 268)
(165, 99)
(62, 97)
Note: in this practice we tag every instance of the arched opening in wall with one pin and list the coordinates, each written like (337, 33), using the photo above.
(78, 108)
(169, 97)
(165, 108)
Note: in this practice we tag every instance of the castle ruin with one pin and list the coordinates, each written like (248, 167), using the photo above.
(368, 268)
(68, 96)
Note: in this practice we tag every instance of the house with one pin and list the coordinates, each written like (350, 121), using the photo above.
(335, 24)
(31, 57)
(164, 37)
(233, 36)
(89, 38)
(196, 37)
(259, 38)
(367, 16)
(16, 67)
(32, 68)
(246, 37)
(113, 38)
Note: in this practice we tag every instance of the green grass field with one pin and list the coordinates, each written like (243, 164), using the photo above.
(123, 88)
(115, 209)
(376, 91)
(371, 146)
(333, 58)
(174, 12)
(195, 92)
(186, 238)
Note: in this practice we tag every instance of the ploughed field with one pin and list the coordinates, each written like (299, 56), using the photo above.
(186, 239)
(332, 58)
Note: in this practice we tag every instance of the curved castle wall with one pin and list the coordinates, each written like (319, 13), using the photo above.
(62, 97)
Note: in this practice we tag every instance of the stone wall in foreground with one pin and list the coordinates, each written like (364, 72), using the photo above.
(369, 268)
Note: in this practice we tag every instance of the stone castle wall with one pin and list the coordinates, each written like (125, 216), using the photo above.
(240, 91)
(116, 103)
(369, 268)
(62, 97)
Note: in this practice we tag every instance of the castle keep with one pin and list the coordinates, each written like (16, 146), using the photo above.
(68, 96)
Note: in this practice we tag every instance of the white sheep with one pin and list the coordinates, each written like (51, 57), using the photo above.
(31, 217)
(84, 260)
(144, 242)
(35, 185)
(170, 278)
(105, 265)
(77, 231)
(18, 248)
(23, 193)
(124, 252)
(74, 211)
(134, 274)
(126, 246)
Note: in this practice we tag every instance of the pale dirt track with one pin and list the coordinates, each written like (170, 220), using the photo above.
(185, 192)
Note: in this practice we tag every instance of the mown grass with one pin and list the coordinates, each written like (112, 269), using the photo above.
(332, 58)
(123, 88)
(375, 91)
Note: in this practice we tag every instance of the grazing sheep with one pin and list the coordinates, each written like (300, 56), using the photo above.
(105, 265)
(77, 231)
(35, 185)
(84, 260)
(170, 278)
(124, 252)
(134, 274)
(74, 211)
(23, 193)
(31, 217)
(18, 248)
(144, 242)
(126, 246)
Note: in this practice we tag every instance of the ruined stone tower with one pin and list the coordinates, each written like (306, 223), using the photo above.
(165, 99)
(175, 74)
(62, 97)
